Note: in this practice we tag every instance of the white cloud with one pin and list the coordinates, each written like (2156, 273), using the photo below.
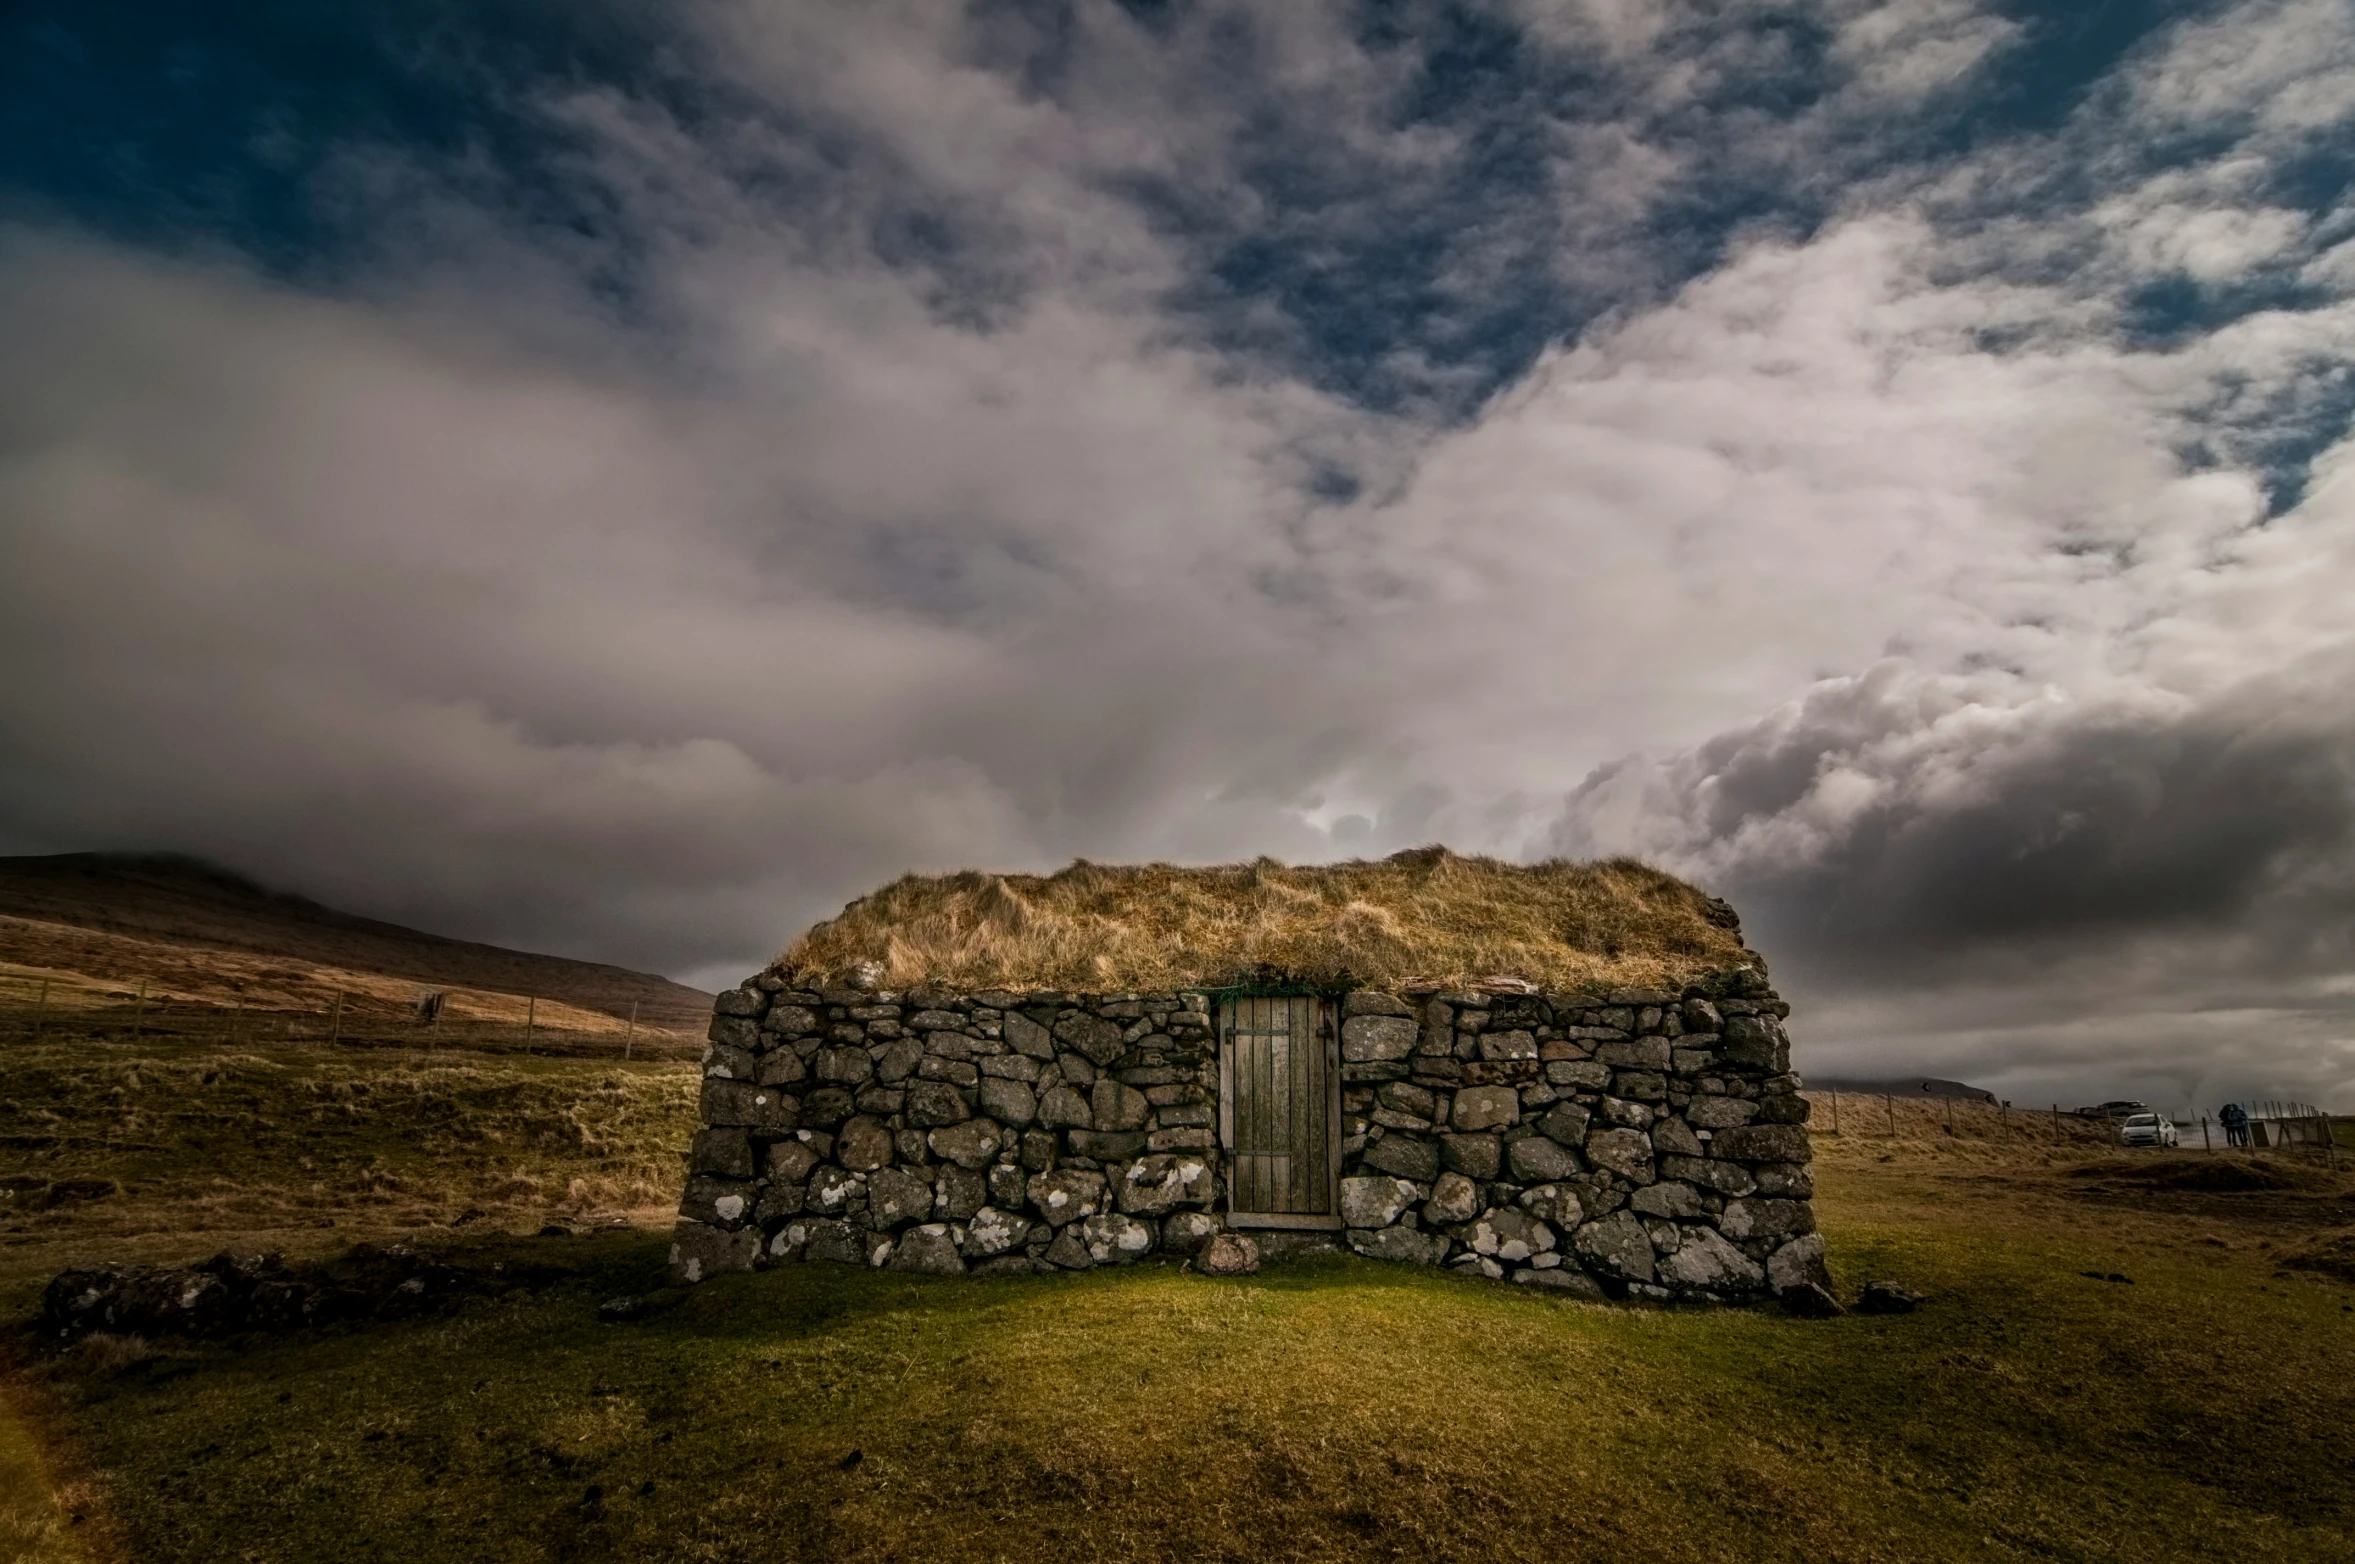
(907, 512)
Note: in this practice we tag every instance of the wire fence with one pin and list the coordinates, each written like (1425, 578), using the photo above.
(34, 1009)
(1887, 1116)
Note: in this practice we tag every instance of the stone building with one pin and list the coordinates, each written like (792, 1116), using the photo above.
(1312, 1060)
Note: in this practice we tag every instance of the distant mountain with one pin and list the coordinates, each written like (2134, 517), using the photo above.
(1900, 1086)
(186, 901)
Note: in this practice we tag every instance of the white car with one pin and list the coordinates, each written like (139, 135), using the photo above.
(2148, 1129)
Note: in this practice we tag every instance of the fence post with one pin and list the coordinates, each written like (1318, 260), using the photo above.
(631, 1036)
(139, 1011)
(2056, 1123)
(335, 1024)
(531, 1014)
(1835, 1112)
(2205, 1143)
(41, 1009)
(1890, 1104)
(1950, 1116)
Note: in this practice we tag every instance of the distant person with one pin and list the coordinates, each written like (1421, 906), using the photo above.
(2235, 1120)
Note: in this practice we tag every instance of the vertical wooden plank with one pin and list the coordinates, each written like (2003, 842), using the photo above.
(1305, 1046)
(1250, 1095)
(1319, 1159)
(1332, 1110)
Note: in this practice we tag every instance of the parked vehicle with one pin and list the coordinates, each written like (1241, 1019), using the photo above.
(2115, 1110)
(2148, 1129)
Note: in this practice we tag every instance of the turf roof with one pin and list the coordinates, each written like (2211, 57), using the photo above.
(1425, 918)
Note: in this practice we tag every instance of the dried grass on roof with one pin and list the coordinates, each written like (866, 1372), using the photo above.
(1422, 918)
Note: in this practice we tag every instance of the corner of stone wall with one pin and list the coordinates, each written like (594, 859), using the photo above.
(1637, 1143)
(946, 1133)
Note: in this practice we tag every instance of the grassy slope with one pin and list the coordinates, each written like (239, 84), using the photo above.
(203, 910)
(1322, 1410)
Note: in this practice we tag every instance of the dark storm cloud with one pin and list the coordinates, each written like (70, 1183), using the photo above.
(630, 481)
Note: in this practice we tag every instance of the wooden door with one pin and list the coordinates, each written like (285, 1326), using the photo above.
(1280, 1111)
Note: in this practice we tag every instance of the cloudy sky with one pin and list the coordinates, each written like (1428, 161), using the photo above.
(623, 479)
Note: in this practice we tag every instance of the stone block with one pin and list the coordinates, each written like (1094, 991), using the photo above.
(1640, 1086)
(1536, 1159)
(957, 1193)
(1765, 1217)
(792, 1161)
(1725, 1178)
(864, 1144)
(1497, 1047)
(1157, 1185)
(1578, 1074)
(994, 1231)
(1511, 1237)
(790, 1021)
(930, 1250)
(972, 1144)
(733, 1039)
(1707, 1263)
(1374, 1200)
(1566, 1279)
(1454, 1198)
(726, 1152)
(896, 1197)
(1671, 1199)
(1114, 1239)
(718, 1202)
(1479, 1157)
(741, 1104)
(1403, 1244)
(1106, 1145)
(1027, 1037)
(1719, 1113)
(699, 1251)
(745, 1001)
(1566, 1122)
(1065, 1109)
(1798, 1263)
(1007, 1101)
(1617, 1246)
(1558, 1205)
(1094, 1038)
(845, 1066)
(1185, 1232)
(1762, 1143)
(1118, 1106)
(780, 1067)
(1368, 1002)
(1405, 1156)
(1067, 1194)
(1627, 1153)
(1372, 1039)
(1486, 1108)
(1643, 1053)
(933, 1104)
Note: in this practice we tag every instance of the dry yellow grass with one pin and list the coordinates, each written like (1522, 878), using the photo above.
(1422, 918)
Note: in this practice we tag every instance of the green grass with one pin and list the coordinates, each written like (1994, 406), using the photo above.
(302, 1146)
(1332, 1409)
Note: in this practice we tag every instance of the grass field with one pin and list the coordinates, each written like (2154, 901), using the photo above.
(1325, 1409)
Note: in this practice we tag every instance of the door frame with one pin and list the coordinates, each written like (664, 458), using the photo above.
(1325, 1022)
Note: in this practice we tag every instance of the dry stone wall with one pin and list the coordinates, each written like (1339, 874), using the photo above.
(1638, 1143)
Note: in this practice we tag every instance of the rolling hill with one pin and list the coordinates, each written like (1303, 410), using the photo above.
(169, 900)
